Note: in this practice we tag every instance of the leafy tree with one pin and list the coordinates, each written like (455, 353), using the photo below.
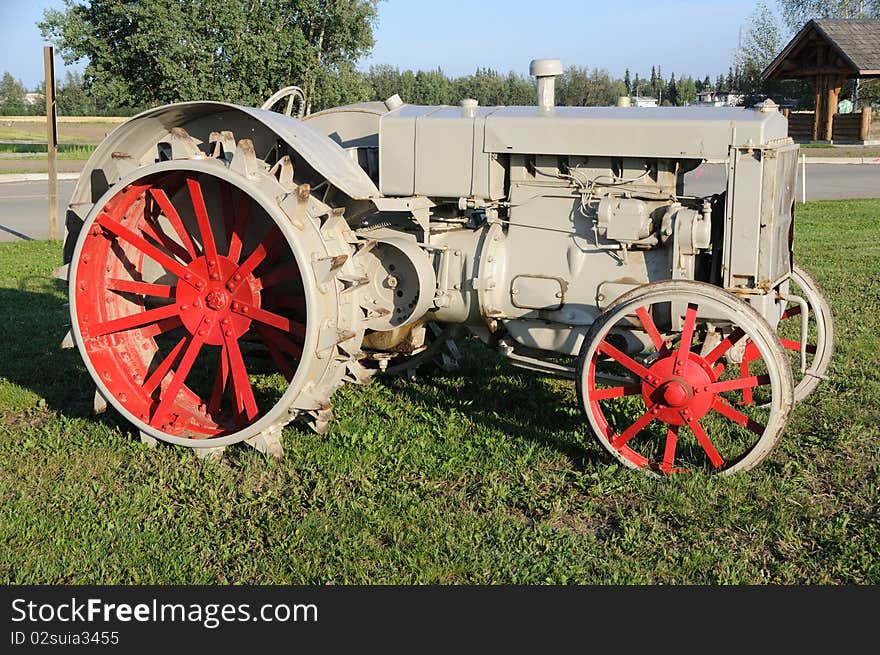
(384, 81)
(11, 96)
(578, 86)
(149, 53)
(763, 41)
(687, 91)
(520, 91)
(798, 12)
(433, 88)
(627, 81)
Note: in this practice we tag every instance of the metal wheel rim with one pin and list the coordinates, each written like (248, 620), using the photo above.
(255, 423)
(777, 376)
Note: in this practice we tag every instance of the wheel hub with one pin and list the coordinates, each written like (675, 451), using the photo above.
(675, 394)
(217, 300)
(207, 302)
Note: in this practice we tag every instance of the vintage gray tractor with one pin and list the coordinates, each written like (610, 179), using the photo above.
(231, 267)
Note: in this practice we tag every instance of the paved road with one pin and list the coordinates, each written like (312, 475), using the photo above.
(824, 181)
(24, 209)
(23, 206)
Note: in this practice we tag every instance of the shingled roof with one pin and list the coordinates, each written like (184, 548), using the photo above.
(856, 43)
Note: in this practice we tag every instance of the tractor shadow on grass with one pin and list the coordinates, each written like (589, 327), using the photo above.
(35, 321)
(499, 397)
(487, 389)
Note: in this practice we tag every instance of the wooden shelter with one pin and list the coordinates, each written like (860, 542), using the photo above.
(828, 52)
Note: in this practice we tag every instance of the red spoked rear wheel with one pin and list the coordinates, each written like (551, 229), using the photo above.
(659, 392)
(189, 305)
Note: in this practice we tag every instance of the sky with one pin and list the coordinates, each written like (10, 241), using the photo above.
(690, 37)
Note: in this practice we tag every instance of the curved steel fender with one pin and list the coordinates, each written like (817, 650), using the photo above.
(133, 144)
(132, 139)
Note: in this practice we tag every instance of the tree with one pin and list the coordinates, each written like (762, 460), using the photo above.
(798, 12)
(672, 91)
(149, 53)
(578, 86)
(687, 91)
(763, 41)
(11, 96)
(627, 81)
(384, 81)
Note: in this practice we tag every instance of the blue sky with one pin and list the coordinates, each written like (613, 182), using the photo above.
(693, 37)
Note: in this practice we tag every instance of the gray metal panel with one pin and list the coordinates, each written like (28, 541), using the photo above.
(444, 152)
(438, 152)
(397, 149)
(674, 132)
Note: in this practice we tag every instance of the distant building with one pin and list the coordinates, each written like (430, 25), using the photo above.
(711, 98)
(31, 99)
(643, 101)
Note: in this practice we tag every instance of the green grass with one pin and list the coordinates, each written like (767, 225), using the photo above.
(831, 150)
(483, 476)
(65, 150)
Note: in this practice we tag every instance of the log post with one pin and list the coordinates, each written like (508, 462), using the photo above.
(834, 85)
(865, 129)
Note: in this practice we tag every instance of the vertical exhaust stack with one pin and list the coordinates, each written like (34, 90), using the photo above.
(546, 71)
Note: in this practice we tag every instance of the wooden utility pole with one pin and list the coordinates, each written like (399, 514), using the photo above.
(51, 139)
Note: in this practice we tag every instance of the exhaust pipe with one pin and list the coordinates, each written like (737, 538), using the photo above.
(546, 71)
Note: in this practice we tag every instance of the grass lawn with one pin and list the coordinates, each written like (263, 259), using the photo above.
(484, 476)
(829, 150)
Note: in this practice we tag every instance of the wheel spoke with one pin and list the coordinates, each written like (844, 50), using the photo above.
(281, 342)
(228, 213)
(174, 218)
(706, 443)
(159, 373)
(219, 382)
(726, 344)
(274, 352)
(651, 328)
(161, 327)
(623, 359)
(134, 320)
(289, 302)
(747, 391)
(669, 449)
(264, 252)
(615, 392)
(141, 288)
(235, 239)
(278, 275)
(173, 388)
(143, 245)
(157, 235)
(788, 313)
(620, 440)
(736, 416)
(687, 334)
(739, 383)
(270, 318)
(241, 385)
(201, 211)
(791, 344)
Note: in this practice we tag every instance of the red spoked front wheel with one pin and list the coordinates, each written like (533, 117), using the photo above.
(659, 392)
(818, 348)
(189, 306)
